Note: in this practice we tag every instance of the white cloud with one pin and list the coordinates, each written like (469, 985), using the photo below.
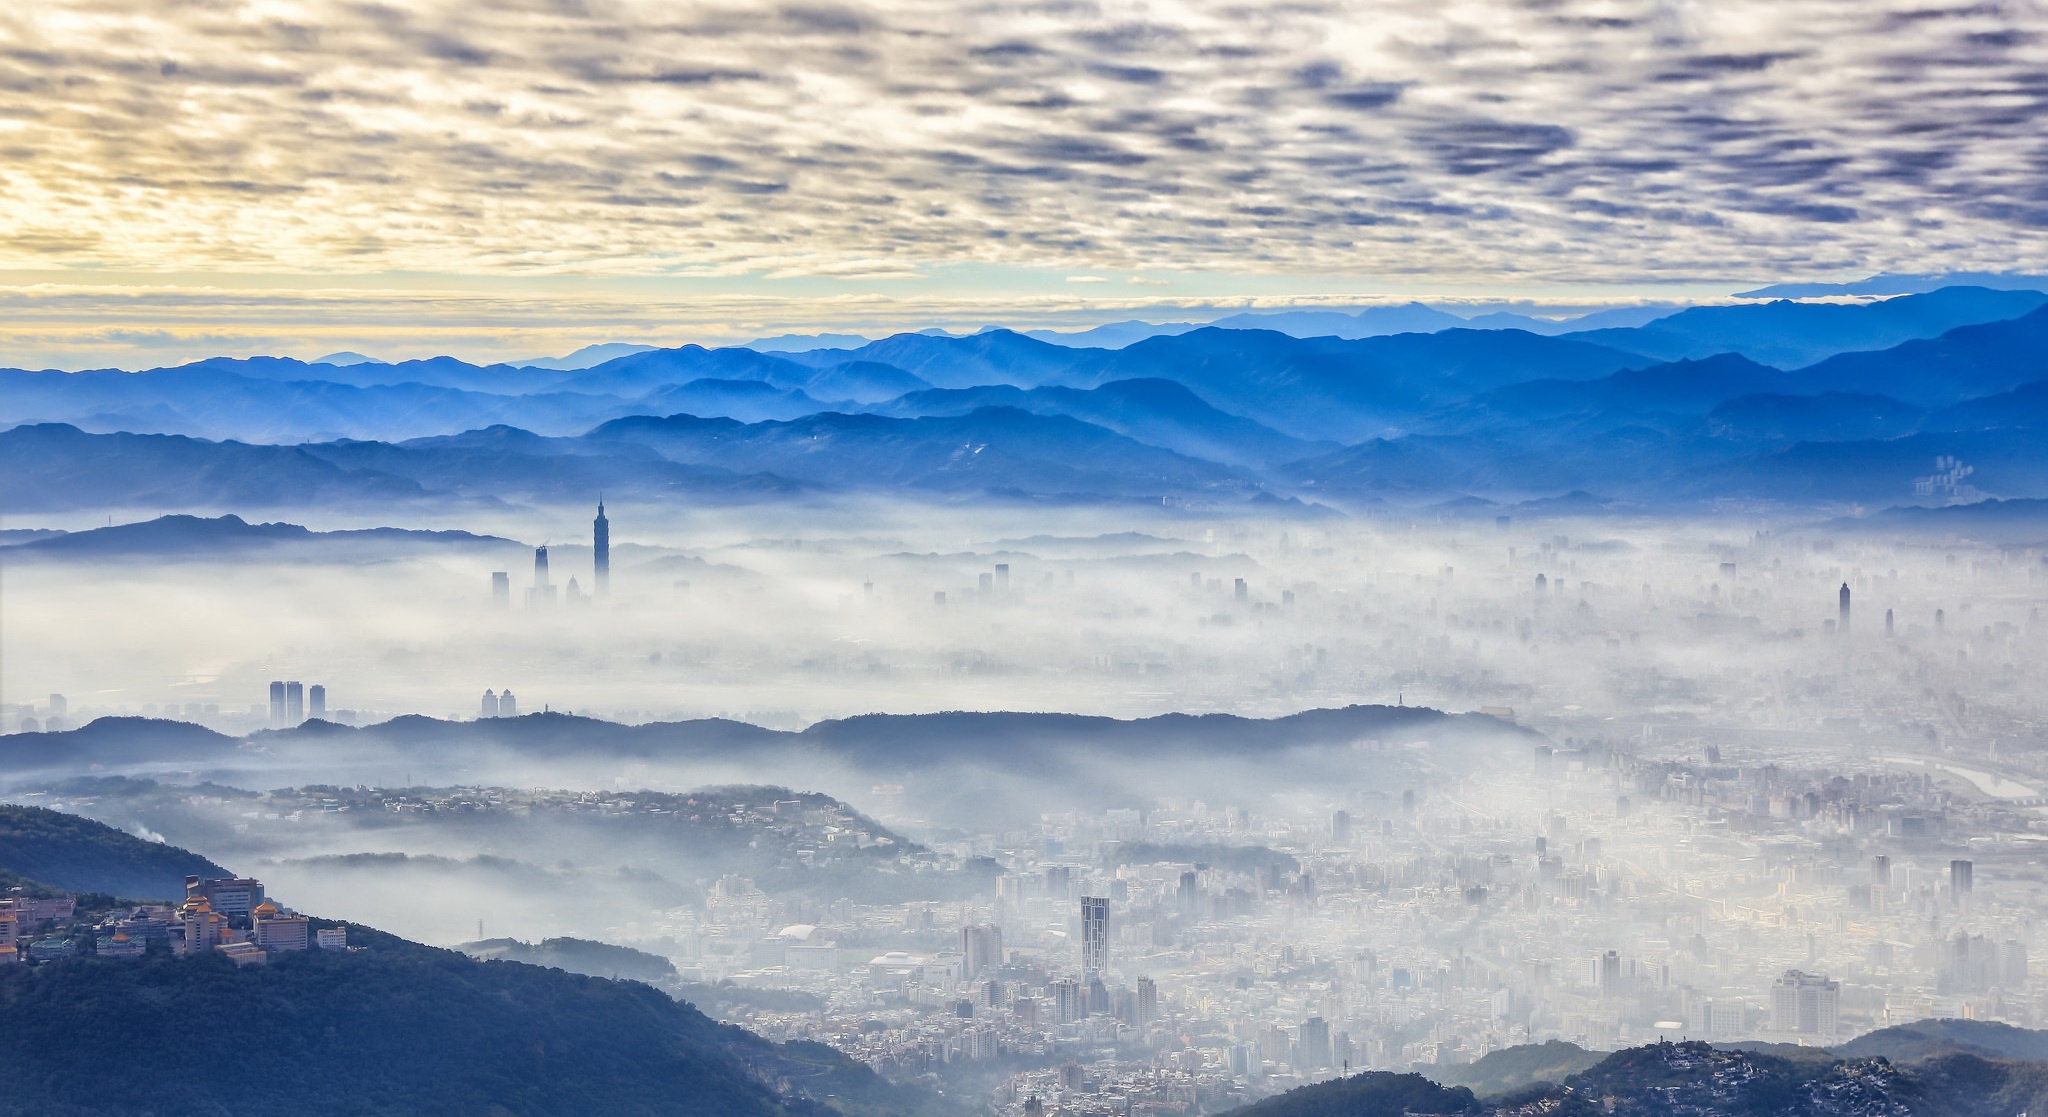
(1607, 139)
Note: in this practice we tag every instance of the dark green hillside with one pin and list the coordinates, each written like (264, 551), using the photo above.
(396, 1029)
(597, 959)
(1372, 1094)
(80, 855)
(1517, 1068)
(1697, 1080)
(1926, 1039)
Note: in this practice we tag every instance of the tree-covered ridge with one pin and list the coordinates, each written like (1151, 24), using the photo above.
(80, 855)
(396, 1028)
(1698, 1080)
(582, 956)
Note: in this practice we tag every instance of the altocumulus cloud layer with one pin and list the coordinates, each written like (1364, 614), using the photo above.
(1612, 140)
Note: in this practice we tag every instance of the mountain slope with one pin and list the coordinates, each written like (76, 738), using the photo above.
(1964, 363)
(193, 536)
(991, 448)
(1791, 334)
(395, 1028)
(55, 467)
(1330, 388)
(1156, 412)
(78, 854)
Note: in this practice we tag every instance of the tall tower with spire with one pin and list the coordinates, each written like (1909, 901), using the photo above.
(601, 547)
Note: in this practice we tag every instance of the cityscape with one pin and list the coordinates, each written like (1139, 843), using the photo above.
(878, 558)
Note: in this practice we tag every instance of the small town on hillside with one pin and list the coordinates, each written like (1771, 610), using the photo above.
(226, 915)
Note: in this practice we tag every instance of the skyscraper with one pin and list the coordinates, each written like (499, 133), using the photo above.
(601, 548)
(316, 701)
(507, 706)
(1960, 882)
(543, 592)
(1312, 1044)
(294, 702)
(501, 589)
(981, 949)
(277, 704)
(1094, 935)
(489, 707)
(1843, 628)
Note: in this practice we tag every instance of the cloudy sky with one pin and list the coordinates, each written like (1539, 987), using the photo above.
(527, 175)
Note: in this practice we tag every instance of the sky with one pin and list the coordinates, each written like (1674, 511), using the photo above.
(526, 176)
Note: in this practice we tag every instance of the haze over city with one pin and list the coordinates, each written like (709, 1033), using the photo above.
(1023, 560)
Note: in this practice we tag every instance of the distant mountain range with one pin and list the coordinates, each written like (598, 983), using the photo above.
(171, 537)
(1807, 404)
(973, 763)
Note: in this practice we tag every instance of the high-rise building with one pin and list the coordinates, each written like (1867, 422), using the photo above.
(1806, 1004)
(1843, 628)
(601, 551)
(1148, 1001)
(1066, 1000)
(507, 707)
(1960, 882)
(1241, 591)
(1190, 895)
(1607, 975)
(981, 949)
(501, 589)
(59, 705)
(277, 704)
(489, 707)
(1095, 935)
(1887, 623)
(1002, 576)
(316, 701)
(1340, 827)
(294, 702)
(1312, 1044)
(542, 594)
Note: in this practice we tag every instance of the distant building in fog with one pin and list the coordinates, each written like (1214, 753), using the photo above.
(1806, 1004)
(498, 705)
(501, 589)
(277, 704)
(981, 949)
(1843, 628)
(316, 701)
(601, 549)
(542, 594)
(1094, 935)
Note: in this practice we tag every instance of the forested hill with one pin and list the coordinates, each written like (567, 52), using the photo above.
(394, 1029)
(1943, 1079)
(79, 855)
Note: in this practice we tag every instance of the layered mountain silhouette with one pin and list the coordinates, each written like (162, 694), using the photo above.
(1812, 404)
